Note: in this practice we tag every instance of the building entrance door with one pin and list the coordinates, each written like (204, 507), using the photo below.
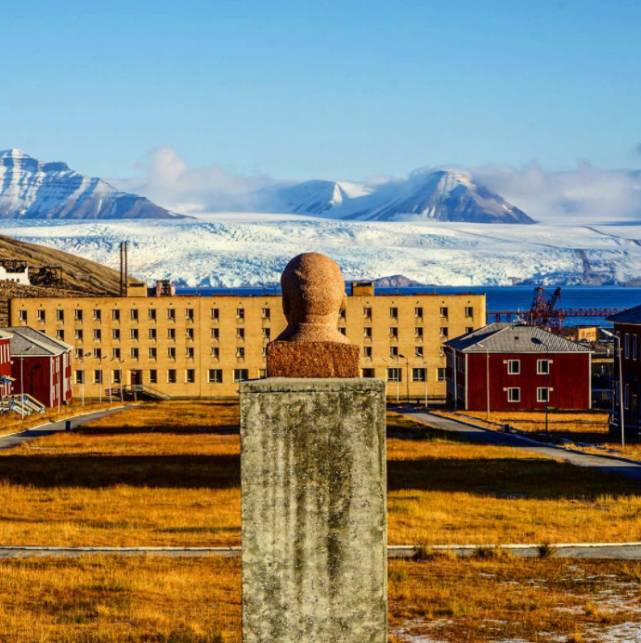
(136, 378)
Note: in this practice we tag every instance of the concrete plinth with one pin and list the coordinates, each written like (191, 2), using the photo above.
(314, 511)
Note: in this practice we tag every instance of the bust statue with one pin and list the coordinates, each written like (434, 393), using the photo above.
(311, 345)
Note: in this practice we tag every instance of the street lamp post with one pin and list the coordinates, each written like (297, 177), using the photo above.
(487, 377)
(617, 338)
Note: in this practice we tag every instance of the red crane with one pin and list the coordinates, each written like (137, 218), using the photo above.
(545, 314)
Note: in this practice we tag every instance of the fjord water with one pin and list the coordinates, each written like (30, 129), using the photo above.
(499, 298)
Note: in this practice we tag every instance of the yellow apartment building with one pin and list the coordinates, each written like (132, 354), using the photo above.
(185, 346)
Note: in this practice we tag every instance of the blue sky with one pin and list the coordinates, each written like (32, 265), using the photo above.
(298, 89)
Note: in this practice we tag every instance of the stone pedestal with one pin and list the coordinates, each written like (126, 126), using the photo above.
(314, 511)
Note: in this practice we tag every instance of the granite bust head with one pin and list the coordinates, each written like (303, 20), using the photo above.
(313, 298)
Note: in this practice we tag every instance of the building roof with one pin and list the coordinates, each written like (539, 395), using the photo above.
(29, 342)
(514, 338)
(4, 335)
(630, 316)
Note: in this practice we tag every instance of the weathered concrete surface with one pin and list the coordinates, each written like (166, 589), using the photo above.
(314, 511)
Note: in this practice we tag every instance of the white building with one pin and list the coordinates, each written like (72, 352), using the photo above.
(21, 276)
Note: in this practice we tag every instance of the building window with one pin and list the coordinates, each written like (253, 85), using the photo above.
(171, 353)
(80, 377)
(241, 374)
(215, 334)
(393, 313)
(367, 312)
(342, 316)
(171, 314)
(369, 372)
(342, 330)
(115, 353)
(189, 314)
(22, 315)
(444, 332)
(77, 354)
(418, 312)
(215, 314)
(171, 333)
(626, 398)
(189, 333)
(97, 315)
(151, 314)
(97, 353)
(264, 352)
(440, 374)
(215, 352)
(60, 334)
(115, 314)
(171, 376)
(240, 333)
(115, 334)
(153, 376)
(367, 332)
(134, 314)
(514, 367)
(266, 313)
(394, 374)
(117, 377)
(393, 352)
(419, 374)
(267, 333)
(627, 346)
(444, 312)
(78, 334)
(542, 394)
(240, 314)
(153, 353)
(514, 394)
(215, 376)
(367, 351)
(189, 352)
(97, 335)
(190, 376)
(393, 332)
(77, 315)
(41, 316)
(542, 366)
(469, 311)
(468, 330)
(152, 333)
(134, 334)
(135, 353)
(97, 377)
(418, 332)
(60, 315)
(240, 352)
(635, 347)
(418, 351)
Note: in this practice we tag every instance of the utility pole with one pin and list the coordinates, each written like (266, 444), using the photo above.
(617, 338)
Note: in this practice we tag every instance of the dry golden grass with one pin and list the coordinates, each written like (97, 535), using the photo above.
(168, 474)
(108, 600)
(13, 423)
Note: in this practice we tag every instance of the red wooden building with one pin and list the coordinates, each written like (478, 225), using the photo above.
(6, 380)
(627, 327)
(516, 367)
(40, 366)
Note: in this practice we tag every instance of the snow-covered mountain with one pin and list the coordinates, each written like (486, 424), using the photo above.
(228, 250)
(31, 189)
(439, 196)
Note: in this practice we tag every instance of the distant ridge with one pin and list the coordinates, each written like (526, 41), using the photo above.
(32, 189)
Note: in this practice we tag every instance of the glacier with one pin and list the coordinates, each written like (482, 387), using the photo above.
(245, 249)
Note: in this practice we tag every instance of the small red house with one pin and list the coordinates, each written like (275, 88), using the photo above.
(6, 380)
(40, 366)
(627, 327)
(516, 367)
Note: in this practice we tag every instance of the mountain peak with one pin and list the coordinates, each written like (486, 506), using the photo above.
(14, 153)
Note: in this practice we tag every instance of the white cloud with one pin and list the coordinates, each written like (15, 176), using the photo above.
(168, 181)
(585, 194)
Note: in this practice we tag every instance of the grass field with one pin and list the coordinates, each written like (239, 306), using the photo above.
(168, 474)
(99, 599)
